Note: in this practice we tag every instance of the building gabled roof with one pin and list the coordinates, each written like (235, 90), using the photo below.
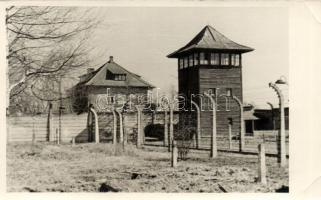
(209, 38)
(98, 77)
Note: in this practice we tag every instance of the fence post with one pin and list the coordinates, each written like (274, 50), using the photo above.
(124, 132)
(174, 154)
(121, 130)
(114, 127)
(198, 133)
(262, 165)
(165, 128)
(73, 142)
(33, 138)
(49, 123)
(213, 141)
(96, 125)
(89, 122)
(229, 136)
(281, 135)
(57, 137)
(139, 127)
(171, 127)
(242, 127)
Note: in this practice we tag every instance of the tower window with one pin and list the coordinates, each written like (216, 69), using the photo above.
(203, 58)
(181, 63)
(195, 58)
(215, 58)
(224, 59)
(190, 60)
(185, 62)
(235, 59)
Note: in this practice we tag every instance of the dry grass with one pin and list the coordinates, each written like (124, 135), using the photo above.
(46, 167)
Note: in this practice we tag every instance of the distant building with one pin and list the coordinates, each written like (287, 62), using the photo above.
(110, 84)
(262, 119)
(211, 63)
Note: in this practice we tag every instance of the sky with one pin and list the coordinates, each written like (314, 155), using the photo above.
(139, 38)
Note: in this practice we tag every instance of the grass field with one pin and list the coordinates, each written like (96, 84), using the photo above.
(46, 167)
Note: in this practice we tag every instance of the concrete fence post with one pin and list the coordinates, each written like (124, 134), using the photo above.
(49, 124)
(73, 141)
(33, 138)
(242, 127)
(198, 125)
(57, 137)
(165, 128)
(96, 125)
(262, 165)
(89, 122)
(121, 130)
(281, 135)
(171, 127)
(139, 127)
(174, 154)
(213, 138)
(124, 132)
(229, 136)
(114, 127)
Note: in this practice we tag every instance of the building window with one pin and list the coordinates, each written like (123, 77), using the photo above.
(224, 59)
(181, 63)
(195, 58)
(120, 77)
(190, 60)
(229, 92)
(215, 58)
(204, 58)
(235, 59)
(109, 75)
(185, 62)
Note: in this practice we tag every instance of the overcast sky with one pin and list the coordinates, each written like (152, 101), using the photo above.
(140, 38)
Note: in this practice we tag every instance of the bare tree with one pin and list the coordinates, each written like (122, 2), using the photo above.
(45, 43)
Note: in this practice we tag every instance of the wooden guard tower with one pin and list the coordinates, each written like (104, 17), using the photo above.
(211, 63)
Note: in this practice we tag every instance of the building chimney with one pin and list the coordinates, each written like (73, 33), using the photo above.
(111, 58)
(90, 70)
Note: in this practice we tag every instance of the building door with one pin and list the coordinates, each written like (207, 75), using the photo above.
(249, 127)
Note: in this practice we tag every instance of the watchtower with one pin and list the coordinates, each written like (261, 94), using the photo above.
(211, 63)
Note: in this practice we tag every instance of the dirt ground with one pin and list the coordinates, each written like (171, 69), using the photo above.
(46, 167)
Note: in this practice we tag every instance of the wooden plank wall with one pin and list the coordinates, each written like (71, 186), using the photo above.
(222, 78)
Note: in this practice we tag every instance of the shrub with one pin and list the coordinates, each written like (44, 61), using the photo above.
(184, 137)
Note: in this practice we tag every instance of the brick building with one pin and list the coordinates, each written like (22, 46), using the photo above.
(111, 84)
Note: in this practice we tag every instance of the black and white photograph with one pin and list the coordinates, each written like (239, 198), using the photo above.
(147, 99)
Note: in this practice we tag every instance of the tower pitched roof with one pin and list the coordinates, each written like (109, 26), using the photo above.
(209, 38)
